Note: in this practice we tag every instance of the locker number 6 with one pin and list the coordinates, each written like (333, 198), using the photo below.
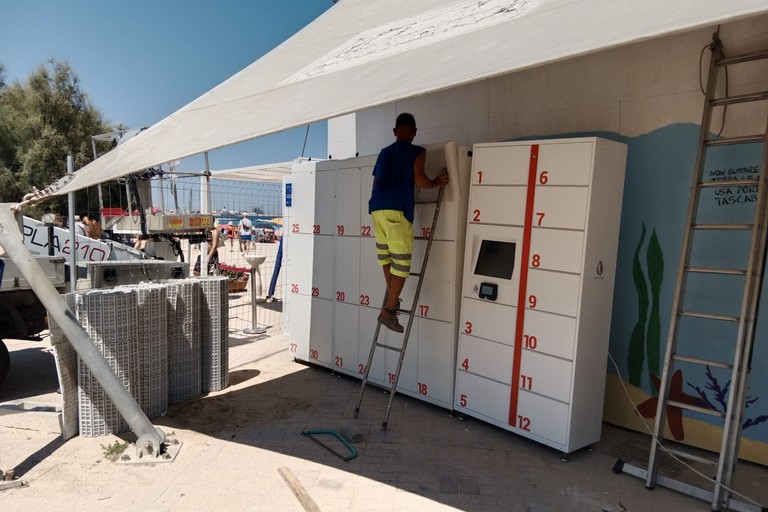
(544, 177)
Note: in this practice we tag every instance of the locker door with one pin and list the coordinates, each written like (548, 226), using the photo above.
(347, 270)
(303, 201)
(553, 292)
(546, 375)
(325, 193)
(446, 224)
(437, 299)
(485, 358)
(554, 249)
(297, 323)
(499, 205)
(485, 319)
(345, 338)
(367, 326)
(299, 263)
(347, 204)
(566, 164)
(549, 334)
(366, 184)
(321, 332)
(480, 396)
(500, 165)
(372, 285)
(436, 360)
(323, 268)
(543, 417)
(409, 371)
(560, 207)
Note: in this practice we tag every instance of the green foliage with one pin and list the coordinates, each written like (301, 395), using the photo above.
(42, 121)
(113, 451)
(655, 261)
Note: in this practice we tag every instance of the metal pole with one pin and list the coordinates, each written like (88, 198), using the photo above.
(72, 231)
(10, 239)
(101, 195)
(254, 329)
(204, 209)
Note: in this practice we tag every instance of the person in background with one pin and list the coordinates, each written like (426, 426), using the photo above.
(48, 216)
(398, 168)
(231, 236)
(212, 238)
(93, 229)
(244, 232)
(275, 273)
(79, 226)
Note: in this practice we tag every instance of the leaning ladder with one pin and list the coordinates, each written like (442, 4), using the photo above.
(411, 314)
(740, 366)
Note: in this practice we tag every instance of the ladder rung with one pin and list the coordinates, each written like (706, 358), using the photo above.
(421, 238)
(695, 408)
(729, 183)
(725, 227)
(404, 311)
(712, 270)
(388, 347)
(741, 98)
(710, 316)
(744, 139)
(696, 360)
(414, 274)
(426, 202)
(743, 58)
(690, 456)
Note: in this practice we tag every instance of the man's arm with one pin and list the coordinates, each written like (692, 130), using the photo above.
(420, 175)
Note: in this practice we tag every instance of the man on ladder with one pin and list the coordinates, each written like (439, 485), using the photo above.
(398, 167)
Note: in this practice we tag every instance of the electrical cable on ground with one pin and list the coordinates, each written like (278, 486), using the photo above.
(650, 431)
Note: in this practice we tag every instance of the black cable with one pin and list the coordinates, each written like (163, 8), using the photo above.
(305, 141)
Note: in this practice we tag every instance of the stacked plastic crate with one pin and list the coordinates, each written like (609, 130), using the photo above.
(151, 385)
(214, 332)
(110, 317)
(184, 355)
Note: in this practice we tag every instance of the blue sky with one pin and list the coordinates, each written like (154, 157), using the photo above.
(141, 60)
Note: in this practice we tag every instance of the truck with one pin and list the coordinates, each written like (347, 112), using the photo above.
(22, 316)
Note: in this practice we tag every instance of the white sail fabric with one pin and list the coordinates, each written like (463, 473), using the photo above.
(364, 53)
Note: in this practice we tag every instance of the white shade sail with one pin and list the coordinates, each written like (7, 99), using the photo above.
(364, 53)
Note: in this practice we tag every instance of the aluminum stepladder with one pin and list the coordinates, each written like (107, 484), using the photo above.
(410, 312)
(752, 277)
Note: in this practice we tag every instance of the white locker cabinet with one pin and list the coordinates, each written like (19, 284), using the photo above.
(325, 197)
(350, 264)
(539, 270)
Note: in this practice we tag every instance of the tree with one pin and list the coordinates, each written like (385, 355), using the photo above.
(42, 121)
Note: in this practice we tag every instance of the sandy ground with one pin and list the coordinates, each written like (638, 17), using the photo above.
(235, 441)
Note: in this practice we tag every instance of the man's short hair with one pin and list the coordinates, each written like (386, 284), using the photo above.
(405, 119)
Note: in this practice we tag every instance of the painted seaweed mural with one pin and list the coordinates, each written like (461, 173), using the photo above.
(644, 342)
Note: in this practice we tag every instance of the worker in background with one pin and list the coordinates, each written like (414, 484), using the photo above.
(212, 238)
(79, 226)
(48, 216)
(244, 229)
(398, 167)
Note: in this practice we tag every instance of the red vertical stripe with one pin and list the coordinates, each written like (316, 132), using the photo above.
(522, 296)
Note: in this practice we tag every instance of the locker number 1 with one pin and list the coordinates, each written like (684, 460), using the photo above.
(479, 177)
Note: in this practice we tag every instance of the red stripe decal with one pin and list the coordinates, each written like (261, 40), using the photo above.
(525, 255)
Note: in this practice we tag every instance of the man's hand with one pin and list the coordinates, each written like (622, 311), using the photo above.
(441, 179)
